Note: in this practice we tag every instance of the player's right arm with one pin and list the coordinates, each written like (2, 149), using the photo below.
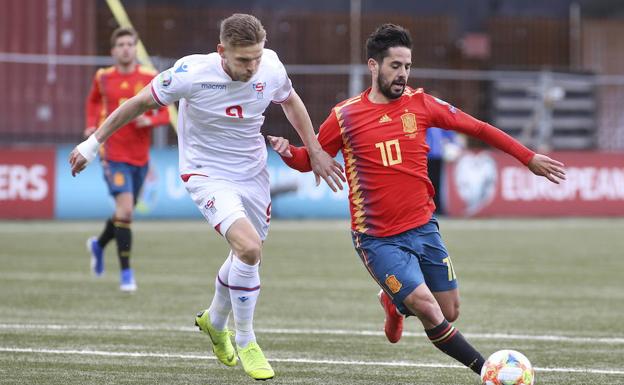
(86, 151)
(168, 87)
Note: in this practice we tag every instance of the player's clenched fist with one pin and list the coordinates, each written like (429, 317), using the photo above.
(280, 145)
(84, 153)
(77, 162)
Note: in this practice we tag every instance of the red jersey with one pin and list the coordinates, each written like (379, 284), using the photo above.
(130, 144)
(385, 155)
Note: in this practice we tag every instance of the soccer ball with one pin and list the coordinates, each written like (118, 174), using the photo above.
(507, 367)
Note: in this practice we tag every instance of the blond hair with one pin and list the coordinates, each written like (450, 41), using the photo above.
(242, 30)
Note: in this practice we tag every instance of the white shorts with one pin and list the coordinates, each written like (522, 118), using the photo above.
(224, 201)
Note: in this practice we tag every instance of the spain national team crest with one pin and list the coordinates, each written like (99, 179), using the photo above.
(119, 179)
(409, 124)
(393, 284)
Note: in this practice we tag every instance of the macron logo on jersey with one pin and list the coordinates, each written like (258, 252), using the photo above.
(211, 86)
(182, 68)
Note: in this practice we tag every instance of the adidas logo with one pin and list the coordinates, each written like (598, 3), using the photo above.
(385, 119)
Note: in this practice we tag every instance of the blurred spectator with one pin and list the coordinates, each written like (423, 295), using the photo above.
(538, 131)
(444, 146)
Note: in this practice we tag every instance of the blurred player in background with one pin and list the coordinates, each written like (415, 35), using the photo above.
(381, 134)
(125, 155)
(444, 146)
(223, 96)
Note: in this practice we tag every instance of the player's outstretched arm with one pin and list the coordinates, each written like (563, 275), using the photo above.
(86, 151)
(549, 168)
(323, 165)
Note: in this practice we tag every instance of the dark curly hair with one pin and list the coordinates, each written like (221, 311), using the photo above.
(387, 36)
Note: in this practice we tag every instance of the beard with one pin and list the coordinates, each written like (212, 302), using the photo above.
(391, 89)
(126, 59)
(244, 77)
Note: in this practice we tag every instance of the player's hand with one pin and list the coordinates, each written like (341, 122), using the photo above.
(88, 131)
(77, 162)
(280, 145)
(326, 167)
(143, 121)
(549, 168)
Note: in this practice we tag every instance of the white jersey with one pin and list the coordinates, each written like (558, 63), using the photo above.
(220, 119)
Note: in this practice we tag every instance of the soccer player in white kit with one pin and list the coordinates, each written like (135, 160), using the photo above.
(222, 159)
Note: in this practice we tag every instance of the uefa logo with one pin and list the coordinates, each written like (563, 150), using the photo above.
(475, 181)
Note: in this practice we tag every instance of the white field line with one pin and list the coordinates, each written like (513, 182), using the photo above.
(343, 332)
(88, 352)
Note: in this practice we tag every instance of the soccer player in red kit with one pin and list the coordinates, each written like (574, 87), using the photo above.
(125, 155)
(381, 134)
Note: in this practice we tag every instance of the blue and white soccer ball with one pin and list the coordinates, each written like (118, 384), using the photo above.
(507, 367)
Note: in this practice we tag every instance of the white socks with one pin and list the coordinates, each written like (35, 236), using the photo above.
(244, 283)
(221, 306)
(237, 287)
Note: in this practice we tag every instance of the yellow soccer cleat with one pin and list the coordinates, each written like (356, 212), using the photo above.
(254, 362)
(221, 343)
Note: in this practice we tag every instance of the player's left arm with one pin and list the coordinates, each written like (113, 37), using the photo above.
(446, 116)
(323, 165)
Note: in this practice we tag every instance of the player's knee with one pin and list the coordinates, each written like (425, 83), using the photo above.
(123, 215)
(250, 252)
(124, 212)
(449, 304)
(424, 308)
(451, 313)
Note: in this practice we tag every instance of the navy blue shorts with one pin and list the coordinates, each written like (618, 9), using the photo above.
(402, 262)
(123, 177)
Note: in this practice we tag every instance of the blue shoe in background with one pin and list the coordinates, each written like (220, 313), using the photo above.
(97, 256)
(127, 282)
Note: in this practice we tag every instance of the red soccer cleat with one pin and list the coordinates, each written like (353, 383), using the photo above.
(393, 324)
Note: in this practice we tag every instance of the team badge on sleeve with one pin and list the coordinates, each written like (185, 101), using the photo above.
(165, 78)
(451, 108)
